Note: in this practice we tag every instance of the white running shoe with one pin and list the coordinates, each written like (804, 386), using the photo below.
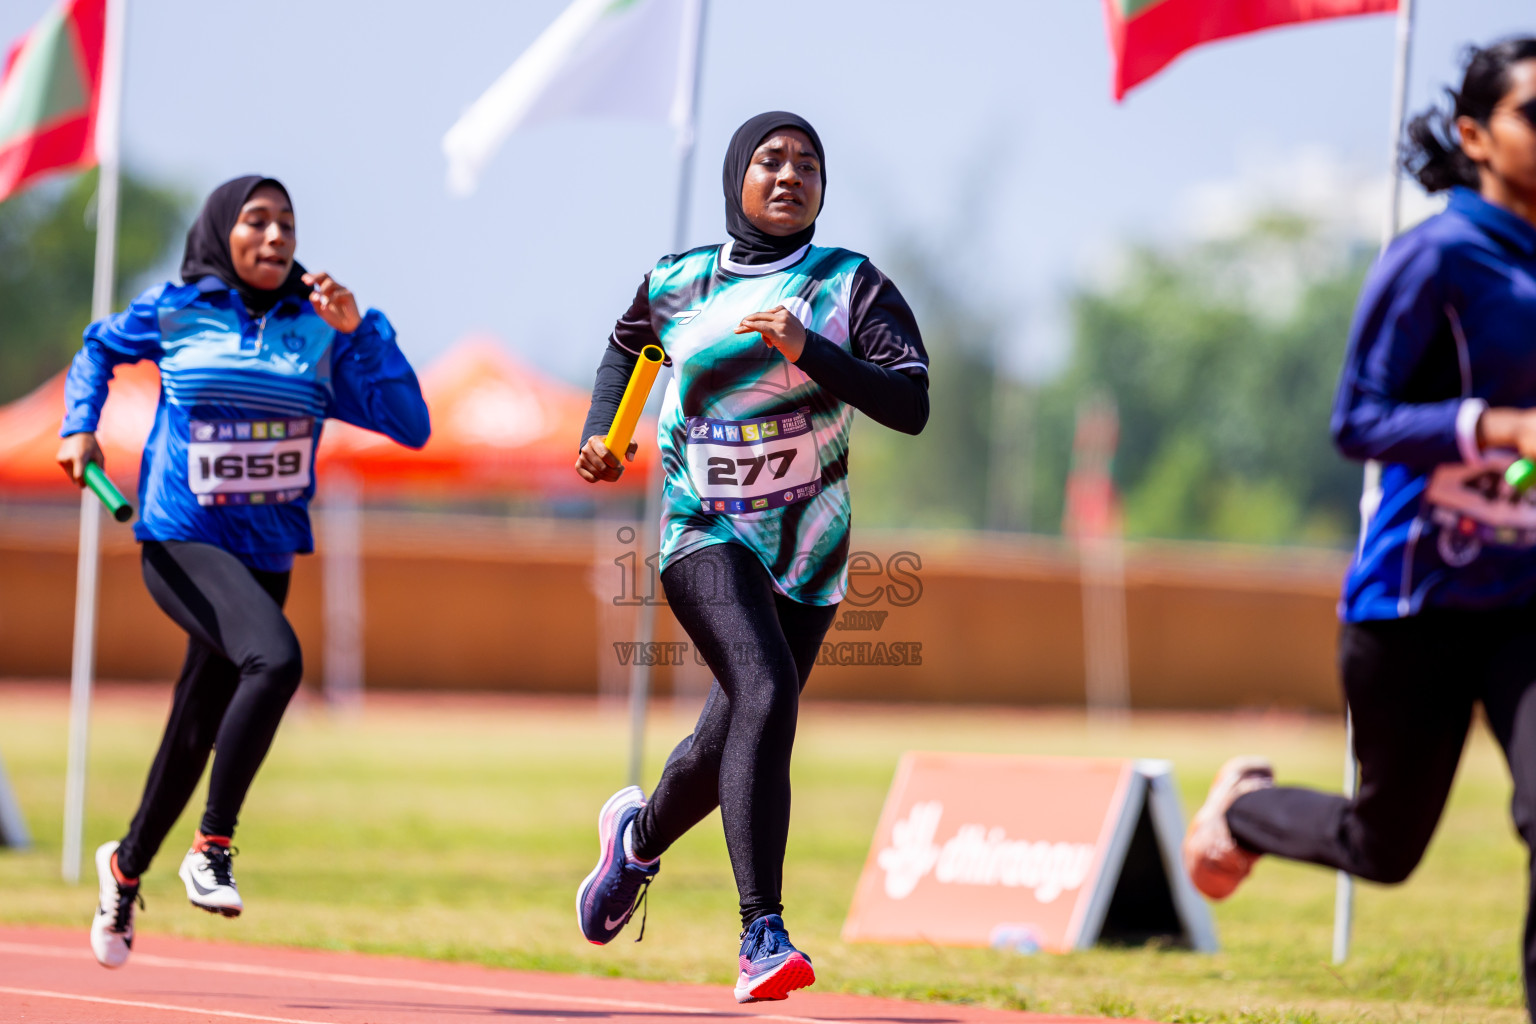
(112, 927)
(205, 871)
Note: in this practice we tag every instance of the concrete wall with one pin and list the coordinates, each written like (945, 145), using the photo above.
(484, 603)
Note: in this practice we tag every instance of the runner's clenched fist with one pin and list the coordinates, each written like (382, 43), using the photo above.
(334, 302)
(779, 329)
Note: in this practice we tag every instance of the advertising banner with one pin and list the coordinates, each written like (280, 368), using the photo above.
(1028, 853)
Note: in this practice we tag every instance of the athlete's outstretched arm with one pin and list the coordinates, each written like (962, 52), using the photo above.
(613, 375)
(631, 333)
(125, 337)
(374, 387)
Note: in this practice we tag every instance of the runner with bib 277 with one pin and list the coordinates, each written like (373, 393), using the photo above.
(254, 355)
(774, 343)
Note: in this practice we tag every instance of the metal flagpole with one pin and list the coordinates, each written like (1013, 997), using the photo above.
(1399, 117)
(341, 588)
(685, 117)
(83, 660)
(1344, 897)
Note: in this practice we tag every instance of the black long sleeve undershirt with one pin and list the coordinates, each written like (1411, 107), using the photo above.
(889, 397)
(613, 375)
(881, 327)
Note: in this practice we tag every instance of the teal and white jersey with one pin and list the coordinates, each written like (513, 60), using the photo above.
(755, 451)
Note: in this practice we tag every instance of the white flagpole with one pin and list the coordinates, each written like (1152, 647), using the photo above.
(1344, 897)
(685, 115)
(685, 111)
(1399, 118)
(341, 588)
(83, 664)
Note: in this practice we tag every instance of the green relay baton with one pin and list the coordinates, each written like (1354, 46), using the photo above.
(102, 486)
(1521, 475)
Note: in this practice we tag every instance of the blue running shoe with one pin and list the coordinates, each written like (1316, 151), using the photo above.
(609, 895)
(771, 968)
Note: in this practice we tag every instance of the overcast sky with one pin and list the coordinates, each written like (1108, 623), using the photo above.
(984, 129)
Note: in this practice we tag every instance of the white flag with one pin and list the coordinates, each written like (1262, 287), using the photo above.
(621, 58)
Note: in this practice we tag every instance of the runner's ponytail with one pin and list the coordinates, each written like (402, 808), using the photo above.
(1434, 155)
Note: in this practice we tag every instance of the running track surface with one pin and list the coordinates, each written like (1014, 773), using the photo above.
(49, 975)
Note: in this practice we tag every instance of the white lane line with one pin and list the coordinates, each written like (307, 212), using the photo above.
(224, 967)
(42, 993)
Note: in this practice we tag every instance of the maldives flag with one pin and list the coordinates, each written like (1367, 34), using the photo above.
(49, 93)
(1146, 35)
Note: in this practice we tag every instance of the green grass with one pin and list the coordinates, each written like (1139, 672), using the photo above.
(458, 828)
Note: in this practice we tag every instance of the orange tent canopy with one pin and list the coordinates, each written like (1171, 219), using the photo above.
(29, 431)
(498, 428)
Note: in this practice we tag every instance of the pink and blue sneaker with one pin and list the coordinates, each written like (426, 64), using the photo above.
(609, 895)
(771, 968)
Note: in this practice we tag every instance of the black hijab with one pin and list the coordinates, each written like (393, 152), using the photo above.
(207, 252)
(751, 244)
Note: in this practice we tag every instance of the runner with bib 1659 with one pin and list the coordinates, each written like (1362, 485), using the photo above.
(254, 355)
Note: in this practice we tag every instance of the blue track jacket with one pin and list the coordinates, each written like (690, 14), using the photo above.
(230, 459)
(1445, 328)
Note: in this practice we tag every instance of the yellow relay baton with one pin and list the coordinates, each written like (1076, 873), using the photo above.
(633, 403)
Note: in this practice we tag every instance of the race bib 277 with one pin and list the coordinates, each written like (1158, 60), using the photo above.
(746, 466)
(250, 462)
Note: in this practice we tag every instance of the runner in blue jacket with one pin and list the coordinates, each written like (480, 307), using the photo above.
(254, 355)
(1439, 387)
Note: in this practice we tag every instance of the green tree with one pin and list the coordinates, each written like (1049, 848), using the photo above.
(1222, 359)
(939, 478)
(47, 258)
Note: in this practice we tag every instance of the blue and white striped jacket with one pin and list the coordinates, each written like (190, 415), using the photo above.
(242, 403)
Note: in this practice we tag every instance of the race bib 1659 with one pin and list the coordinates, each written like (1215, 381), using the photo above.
(250, 462)
(745, 466)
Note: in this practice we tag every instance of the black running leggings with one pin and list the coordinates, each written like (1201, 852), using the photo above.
(243, 666)
(761, 647)
(1411, 685)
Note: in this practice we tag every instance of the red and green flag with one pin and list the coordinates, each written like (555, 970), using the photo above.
(1146, 35)
(48, 95)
